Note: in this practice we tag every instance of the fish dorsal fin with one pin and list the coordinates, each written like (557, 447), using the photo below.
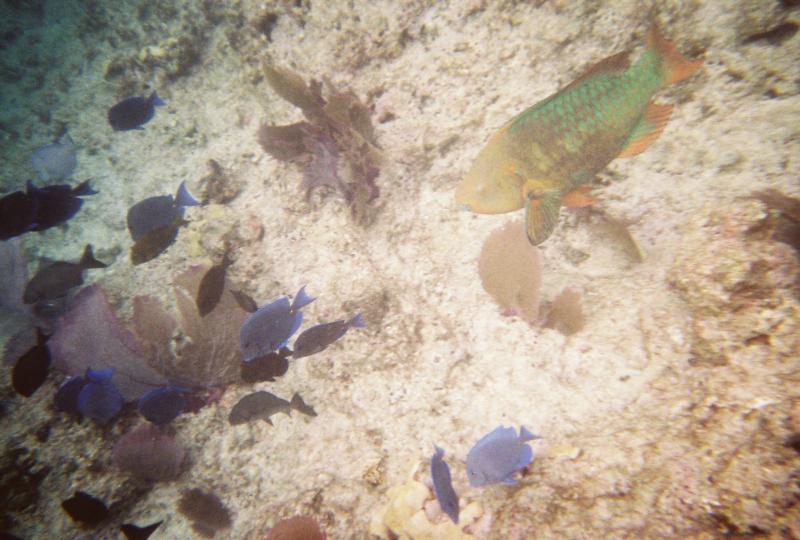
(647, 130)
(614, 64)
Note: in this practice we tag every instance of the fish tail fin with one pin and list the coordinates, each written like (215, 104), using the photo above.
(183, 197)
(88, 260)
(541, 216)
(357, 321)
(155, 100)
(676, 66)
(83, 189)
(301, 299)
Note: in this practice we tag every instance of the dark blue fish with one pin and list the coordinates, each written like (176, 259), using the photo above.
(154, 213)
(99, 399)
(498, 455)
(30, 370)
(271, 326)
(38, 209)
(266, 368)
(55, 161)
(319, 337)
(443, 485)
(134, 532)
(55, 279)
(85, 509)
(156, 242)
(162, 405)
(66, 399)
(133, 112)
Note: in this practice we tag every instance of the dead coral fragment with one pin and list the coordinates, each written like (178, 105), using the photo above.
(511, 271)
(566, 314)
(206, 511)
(336, 146)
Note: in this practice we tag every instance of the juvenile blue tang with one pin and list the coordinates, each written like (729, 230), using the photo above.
(271, 326)
(133, 112)
(319, 337)
(156, 212)
(93, 395)
(443, 485)
(162, 405)
(54, 279)
(55, 161)
(498, 455)
(38, 209)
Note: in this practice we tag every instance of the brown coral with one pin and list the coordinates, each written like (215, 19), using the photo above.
(511, 270)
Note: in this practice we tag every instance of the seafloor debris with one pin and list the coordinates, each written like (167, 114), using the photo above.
(296, 528)
(206, 510)
(217, 186)
(740, 283)
(511, 271)
(149, 454)
(566, 313)
(336, 145)
(498, 455)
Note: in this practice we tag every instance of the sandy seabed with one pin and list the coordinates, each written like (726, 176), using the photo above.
(667, 416)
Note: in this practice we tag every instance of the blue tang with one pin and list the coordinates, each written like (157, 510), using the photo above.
(162, 405)
(93, 395)
(271, 326)
(157, 212)
(55, 161)
(443, 485)
(133, 112)
(498, 455)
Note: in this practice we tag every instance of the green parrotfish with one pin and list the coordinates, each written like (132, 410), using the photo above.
(547, 156)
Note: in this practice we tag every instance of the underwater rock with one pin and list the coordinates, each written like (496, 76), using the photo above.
(89, 335)
(296, 528)
(739, 282)
(511, 271)
(191, 350)
(13, 275)
(149, 454)
(206, 510)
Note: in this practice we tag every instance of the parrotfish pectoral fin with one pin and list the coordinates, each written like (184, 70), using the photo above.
(676, 66)
(648, 129)
(541, 217)
(578, 198)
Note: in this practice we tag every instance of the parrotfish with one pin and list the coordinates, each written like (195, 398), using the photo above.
(55, 278)
(498, 455)
(319, 337)
(443, 485)
(271, 326)
(547, 156)
(133, 112)
(55, 161)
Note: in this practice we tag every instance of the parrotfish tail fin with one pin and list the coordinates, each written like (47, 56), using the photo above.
(647, 130)
(676, 66)
(83, 189)
(155, 100)
(183, 197)
(541, 217)
(88, 260)
(301, 299)
(357, 321)
(526, 435)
